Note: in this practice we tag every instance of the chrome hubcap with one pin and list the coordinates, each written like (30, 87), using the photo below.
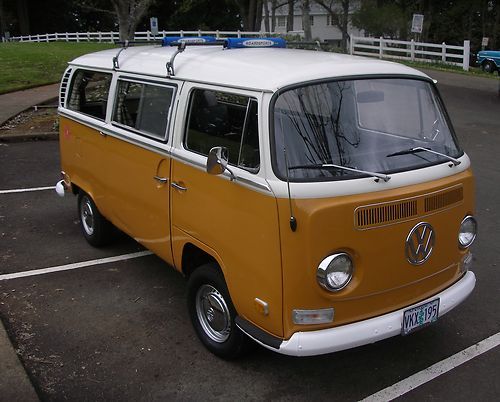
(213, 313)
(87, 216)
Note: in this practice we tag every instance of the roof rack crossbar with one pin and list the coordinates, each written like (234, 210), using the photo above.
(125, 44)
(116, 65)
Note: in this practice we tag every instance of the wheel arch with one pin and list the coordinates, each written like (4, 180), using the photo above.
(194, 257)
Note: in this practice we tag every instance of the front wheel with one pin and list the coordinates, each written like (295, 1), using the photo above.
(212, 313)
(95, 228)
(489, 67)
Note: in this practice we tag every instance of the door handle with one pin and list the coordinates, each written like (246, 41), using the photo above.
(178, 187)
(161, 180)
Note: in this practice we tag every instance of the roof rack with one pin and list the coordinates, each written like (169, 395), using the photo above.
(227, 43)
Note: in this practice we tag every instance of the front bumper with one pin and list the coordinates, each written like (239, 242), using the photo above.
(348, 336)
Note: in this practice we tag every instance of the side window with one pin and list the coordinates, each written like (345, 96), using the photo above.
(89, 93)
(227, 120)
(143, 107)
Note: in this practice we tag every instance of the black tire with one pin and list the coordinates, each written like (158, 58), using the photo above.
(96, 229)
(489, 67)
(213, 315)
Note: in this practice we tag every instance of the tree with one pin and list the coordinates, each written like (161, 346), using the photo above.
(339, 17)
(387, 20)
(251, 13)
(306, 19)
(289, 17)
(129, 13)
(22, 13)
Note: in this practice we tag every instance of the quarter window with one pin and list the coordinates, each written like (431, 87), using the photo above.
(89, 93)
(143, 107)
(227, 120)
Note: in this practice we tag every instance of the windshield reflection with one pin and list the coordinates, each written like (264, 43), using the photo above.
(356, 124)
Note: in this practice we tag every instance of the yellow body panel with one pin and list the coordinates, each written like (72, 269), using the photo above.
(120, 178)
(240, 226)
(383, 279)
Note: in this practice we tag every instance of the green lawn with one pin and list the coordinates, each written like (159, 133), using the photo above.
(26, 65)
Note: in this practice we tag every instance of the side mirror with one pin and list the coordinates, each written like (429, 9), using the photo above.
(217, 161)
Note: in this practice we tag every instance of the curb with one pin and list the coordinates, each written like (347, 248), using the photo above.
(15, 384)
(24, 137)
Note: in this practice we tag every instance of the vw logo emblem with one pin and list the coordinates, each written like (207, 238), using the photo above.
(419, 243)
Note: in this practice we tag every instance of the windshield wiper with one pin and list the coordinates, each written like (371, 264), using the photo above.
(377, 176)
(422, 149)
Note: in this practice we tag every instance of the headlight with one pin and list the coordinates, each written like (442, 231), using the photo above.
(468, 231)
(335, 272)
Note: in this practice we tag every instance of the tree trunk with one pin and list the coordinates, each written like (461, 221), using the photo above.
(289, 18)
(495, 43)
(274, 5)
(306, 19)
(22, 14)
(340, 20)
(344, 25)
(251, 16)
(3, 23)
(267, 27)
(129, 13)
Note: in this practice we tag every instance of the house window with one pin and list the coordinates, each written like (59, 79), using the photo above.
(220, 119)
(281, 21)
(329, 20)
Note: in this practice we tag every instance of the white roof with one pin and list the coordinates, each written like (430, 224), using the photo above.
(264, 69)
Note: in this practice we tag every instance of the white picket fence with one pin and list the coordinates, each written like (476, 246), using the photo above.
(115, 36)
(411, 50)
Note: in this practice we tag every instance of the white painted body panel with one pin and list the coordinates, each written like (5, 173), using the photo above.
(261, 69)
(372, 330)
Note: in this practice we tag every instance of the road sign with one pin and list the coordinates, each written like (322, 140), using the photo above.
(417, 23)
(485, 41)
(154, 25)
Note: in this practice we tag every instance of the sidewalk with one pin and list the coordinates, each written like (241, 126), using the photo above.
(14, 383)
(14, 103)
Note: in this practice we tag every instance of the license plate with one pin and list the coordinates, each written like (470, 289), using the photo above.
(419, 317)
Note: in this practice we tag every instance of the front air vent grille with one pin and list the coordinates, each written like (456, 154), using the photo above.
(388, 213)
(382, 214)
(443, 199)
(64, 87)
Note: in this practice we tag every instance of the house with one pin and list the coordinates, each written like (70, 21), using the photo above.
(321, 22)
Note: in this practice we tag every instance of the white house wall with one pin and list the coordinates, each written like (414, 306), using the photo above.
(320, 29)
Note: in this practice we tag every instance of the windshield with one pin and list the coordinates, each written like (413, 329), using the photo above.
(366, 124)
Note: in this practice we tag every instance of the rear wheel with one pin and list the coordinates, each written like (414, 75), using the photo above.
(488, 67)
(95, 228)
(212, 313)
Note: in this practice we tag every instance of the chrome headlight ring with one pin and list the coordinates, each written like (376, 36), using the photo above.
(335, 272)
(467, 232)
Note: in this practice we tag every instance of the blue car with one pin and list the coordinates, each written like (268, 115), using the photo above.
(489, 60)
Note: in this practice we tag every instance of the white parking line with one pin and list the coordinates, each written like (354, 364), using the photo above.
(26, 190)
(76, 265)
(424, 376)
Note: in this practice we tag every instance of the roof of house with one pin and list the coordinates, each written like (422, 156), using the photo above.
(263, 69)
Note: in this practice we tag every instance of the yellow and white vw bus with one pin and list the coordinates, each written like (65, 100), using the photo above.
(315, 202)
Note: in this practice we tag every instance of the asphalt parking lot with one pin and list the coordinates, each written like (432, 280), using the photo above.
(119, 329)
